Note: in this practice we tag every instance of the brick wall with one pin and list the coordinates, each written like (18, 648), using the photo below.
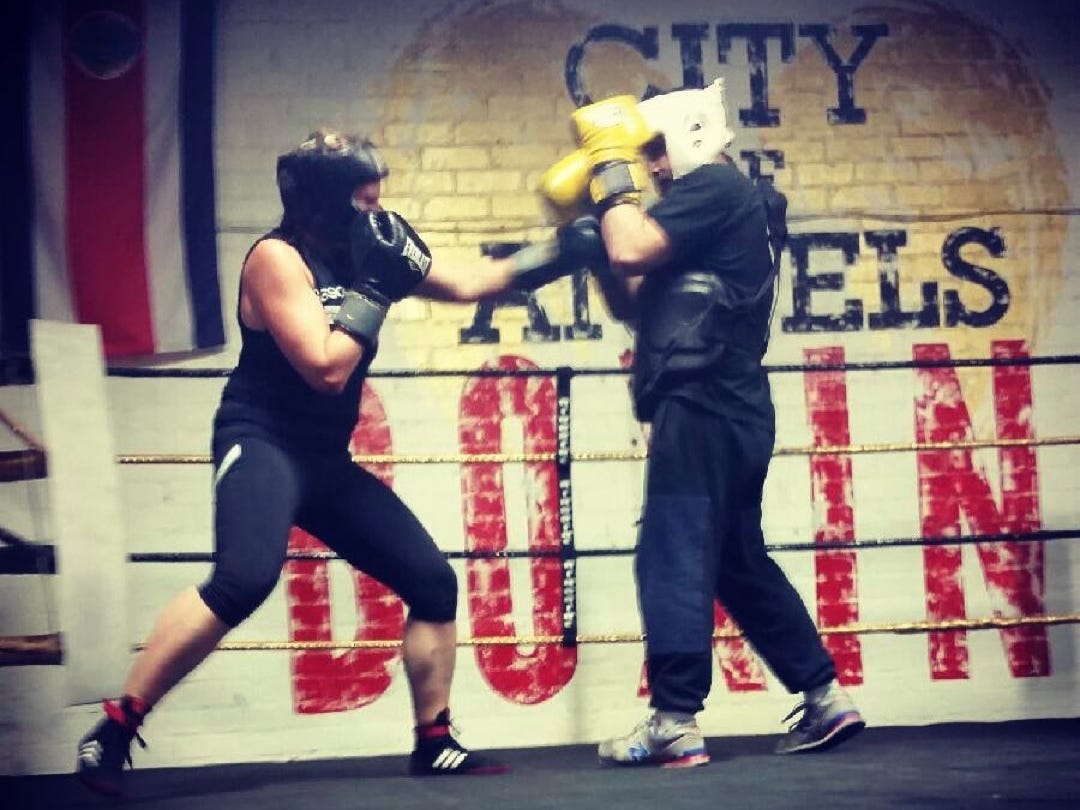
(945, 163)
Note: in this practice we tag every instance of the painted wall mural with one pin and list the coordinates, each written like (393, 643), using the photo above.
(926, 190)
(923, 359)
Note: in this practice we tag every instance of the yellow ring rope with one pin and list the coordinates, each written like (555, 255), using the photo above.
(636, 455)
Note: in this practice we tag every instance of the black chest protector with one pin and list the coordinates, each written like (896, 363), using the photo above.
(689, 319)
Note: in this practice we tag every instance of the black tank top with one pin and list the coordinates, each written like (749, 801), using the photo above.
(266, 390)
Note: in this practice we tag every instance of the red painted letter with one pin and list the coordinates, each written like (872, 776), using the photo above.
(738, 664)
(328, 680)
(954, 495)
(518, 673)
(832, 497)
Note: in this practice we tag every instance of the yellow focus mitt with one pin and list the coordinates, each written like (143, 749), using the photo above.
(611, 133)
(563, 186)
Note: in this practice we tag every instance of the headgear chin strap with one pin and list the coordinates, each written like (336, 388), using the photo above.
(693, 123)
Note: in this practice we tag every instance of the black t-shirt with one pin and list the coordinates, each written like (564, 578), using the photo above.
(716, 221)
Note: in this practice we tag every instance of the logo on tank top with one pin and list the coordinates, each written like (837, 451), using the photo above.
(331, 295)
(331, 298)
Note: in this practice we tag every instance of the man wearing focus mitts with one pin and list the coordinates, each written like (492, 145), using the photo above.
(694, 274)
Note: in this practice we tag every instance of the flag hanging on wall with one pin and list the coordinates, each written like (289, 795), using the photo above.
(118, 225)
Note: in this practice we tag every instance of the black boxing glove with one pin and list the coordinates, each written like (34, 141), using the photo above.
(361, 316)
(388, 260)
(387, 255)
(577, 244)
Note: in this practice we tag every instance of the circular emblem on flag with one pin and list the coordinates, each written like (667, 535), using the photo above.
(105, 44)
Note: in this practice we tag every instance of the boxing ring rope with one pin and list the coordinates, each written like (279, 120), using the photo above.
(992, 623)
(605, 371)
(1041, 536)
(19, 555)
(637, 455)
(46, 649)
(25, 464)
(31, 463)
(513, 227)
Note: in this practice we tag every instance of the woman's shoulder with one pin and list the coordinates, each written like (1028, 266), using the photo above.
(272, 247)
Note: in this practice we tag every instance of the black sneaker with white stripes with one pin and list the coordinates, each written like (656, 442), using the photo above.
(103, 752)
(438, 753)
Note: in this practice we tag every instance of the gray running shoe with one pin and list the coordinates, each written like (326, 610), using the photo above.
(657, 741)
(822, 725)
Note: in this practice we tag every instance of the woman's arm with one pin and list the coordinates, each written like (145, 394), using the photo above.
(481, 279)
(277, 295)
(574, 245)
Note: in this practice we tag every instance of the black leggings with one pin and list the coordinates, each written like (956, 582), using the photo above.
(701, 540)
(263, 487)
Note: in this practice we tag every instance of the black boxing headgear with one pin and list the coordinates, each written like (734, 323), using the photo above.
(317, 180)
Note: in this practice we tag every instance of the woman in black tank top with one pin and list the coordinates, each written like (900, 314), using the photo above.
(313, 296)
